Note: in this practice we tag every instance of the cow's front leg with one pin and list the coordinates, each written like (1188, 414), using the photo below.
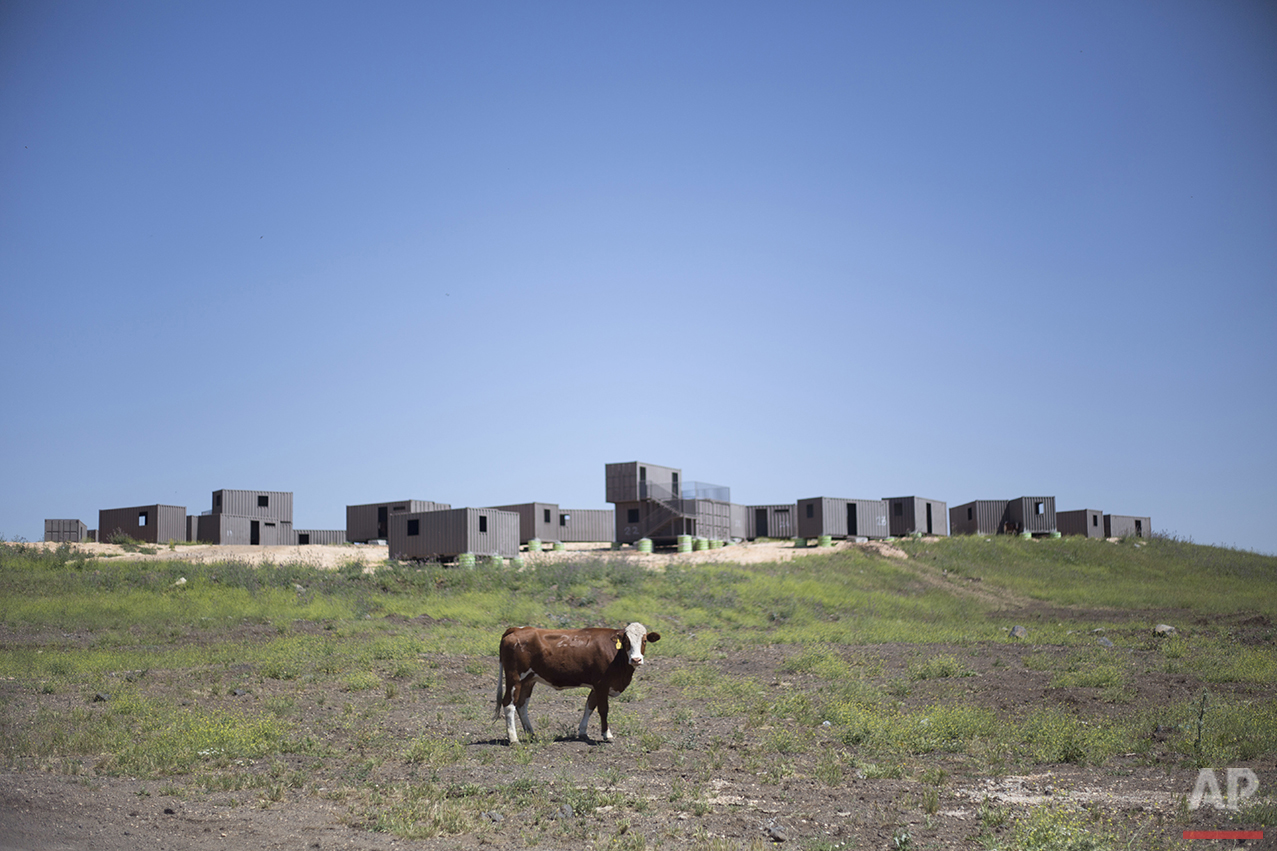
(600, 699)
(585, 716)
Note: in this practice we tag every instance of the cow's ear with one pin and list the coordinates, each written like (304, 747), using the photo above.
(653, 636)
(619, 638)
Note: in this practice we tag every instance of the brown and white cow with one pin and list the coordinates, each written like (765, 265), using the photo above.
(600, 659)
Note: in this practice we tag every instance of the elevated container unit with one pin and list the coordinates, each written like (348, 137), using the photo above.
(1126, 526)
(258, 505)
(842, 518)
(1084, 522)
(155, 524)
(304, 537)
(1032, 514)
(228, 529)
(909, 514)
(632, 481)
(370, 522)
(772, 521)
(978, 517)
(585, 525)
(538, 520)
(444, 535)
(65, 531)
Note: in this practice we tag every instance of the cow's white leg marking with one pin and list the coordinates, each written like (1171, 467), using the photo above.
(585, 722)
(525, 718)
(509, 724)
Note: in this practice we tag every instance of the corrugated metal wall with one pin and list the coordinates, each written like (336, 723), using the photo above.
(1032, 514)
(192, 527)
(1085, 522)
(712, 519)
(319, 536)
(871, 518)
(908, 514)
(361, 520)
(164, 523)
(586, 525)
(623, 480)
(1126, 526)
(780, 521)
(740, 521)
(243, 503)
(65, 531)
(811, 518)
(627, 528)
(979, 517)
(448, 534)
(536, 520)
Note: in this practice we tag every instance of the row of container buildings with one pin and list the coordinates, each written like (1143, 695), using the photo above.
(649, 502)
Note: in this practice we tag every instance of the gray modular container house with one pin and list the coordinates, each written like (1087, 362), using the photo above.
(842, 518)
(772, 521)
(1086, 522)
(155, 524)
(909, 514)
(1032, 514)
(226, 529)
(978, 517)
(1124, 526)
(319, 536)
(740, 521)
(585, 525)
(65, 531)
(444, 535)
(370, 522)
(259, 505)
(538, 520)
(631, 481)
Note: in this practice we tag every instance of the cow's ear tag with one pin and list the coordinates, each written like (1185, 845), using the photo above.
(618, 644)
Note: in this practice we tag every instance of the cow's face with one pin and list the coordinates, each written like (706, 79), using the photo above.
(636, 638)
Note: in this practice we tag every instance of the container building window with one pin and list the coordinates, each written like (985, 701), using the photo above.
(900, 509)
(414, 527)
(564, 518)
(811, 510)
(141, 518)
(483, 523)
(547, 515)
(263, 501)
(1037, 508)
(1095, 519)
(969, 513)
(632, 515)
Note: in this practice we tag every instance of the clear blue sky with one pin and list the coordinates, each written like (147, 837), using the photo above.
(471, 252)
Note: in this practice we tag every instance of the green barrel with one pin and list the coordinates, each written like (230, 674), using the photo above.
(1026, 535)
(800, 542)
(517, 562)
(616, 545)
(534, 545)
(701, 544)
(825, 541)
(559, 547)
(715, 544)
(645, 545)
(465, 560)
(684, 543)
(1055, 534)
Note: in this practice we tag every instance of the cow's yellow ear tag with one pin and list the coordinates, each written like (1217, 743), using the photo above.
(618, 644)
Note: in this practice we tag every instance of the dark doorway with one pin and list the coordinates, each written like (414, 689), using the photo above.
(928, 518)
(255, 532)
(677, 493)
(760, 522)
(382, 513)
(852, 529)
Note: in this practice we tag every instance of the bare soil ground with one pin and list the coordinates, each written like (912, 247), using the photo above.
(688, 777)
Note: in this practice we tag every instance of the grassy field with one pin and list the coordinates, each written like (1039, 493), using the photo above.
(896, 679)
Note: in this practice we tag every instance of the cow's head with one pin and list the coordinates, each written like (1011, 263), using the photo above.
(635, 638)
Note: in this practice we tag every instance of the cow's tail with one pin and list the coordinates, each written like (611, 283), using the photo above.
(496, 711)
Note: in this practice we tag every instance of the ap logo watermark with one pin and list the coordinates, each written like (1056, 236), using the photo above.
(1241, 784)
